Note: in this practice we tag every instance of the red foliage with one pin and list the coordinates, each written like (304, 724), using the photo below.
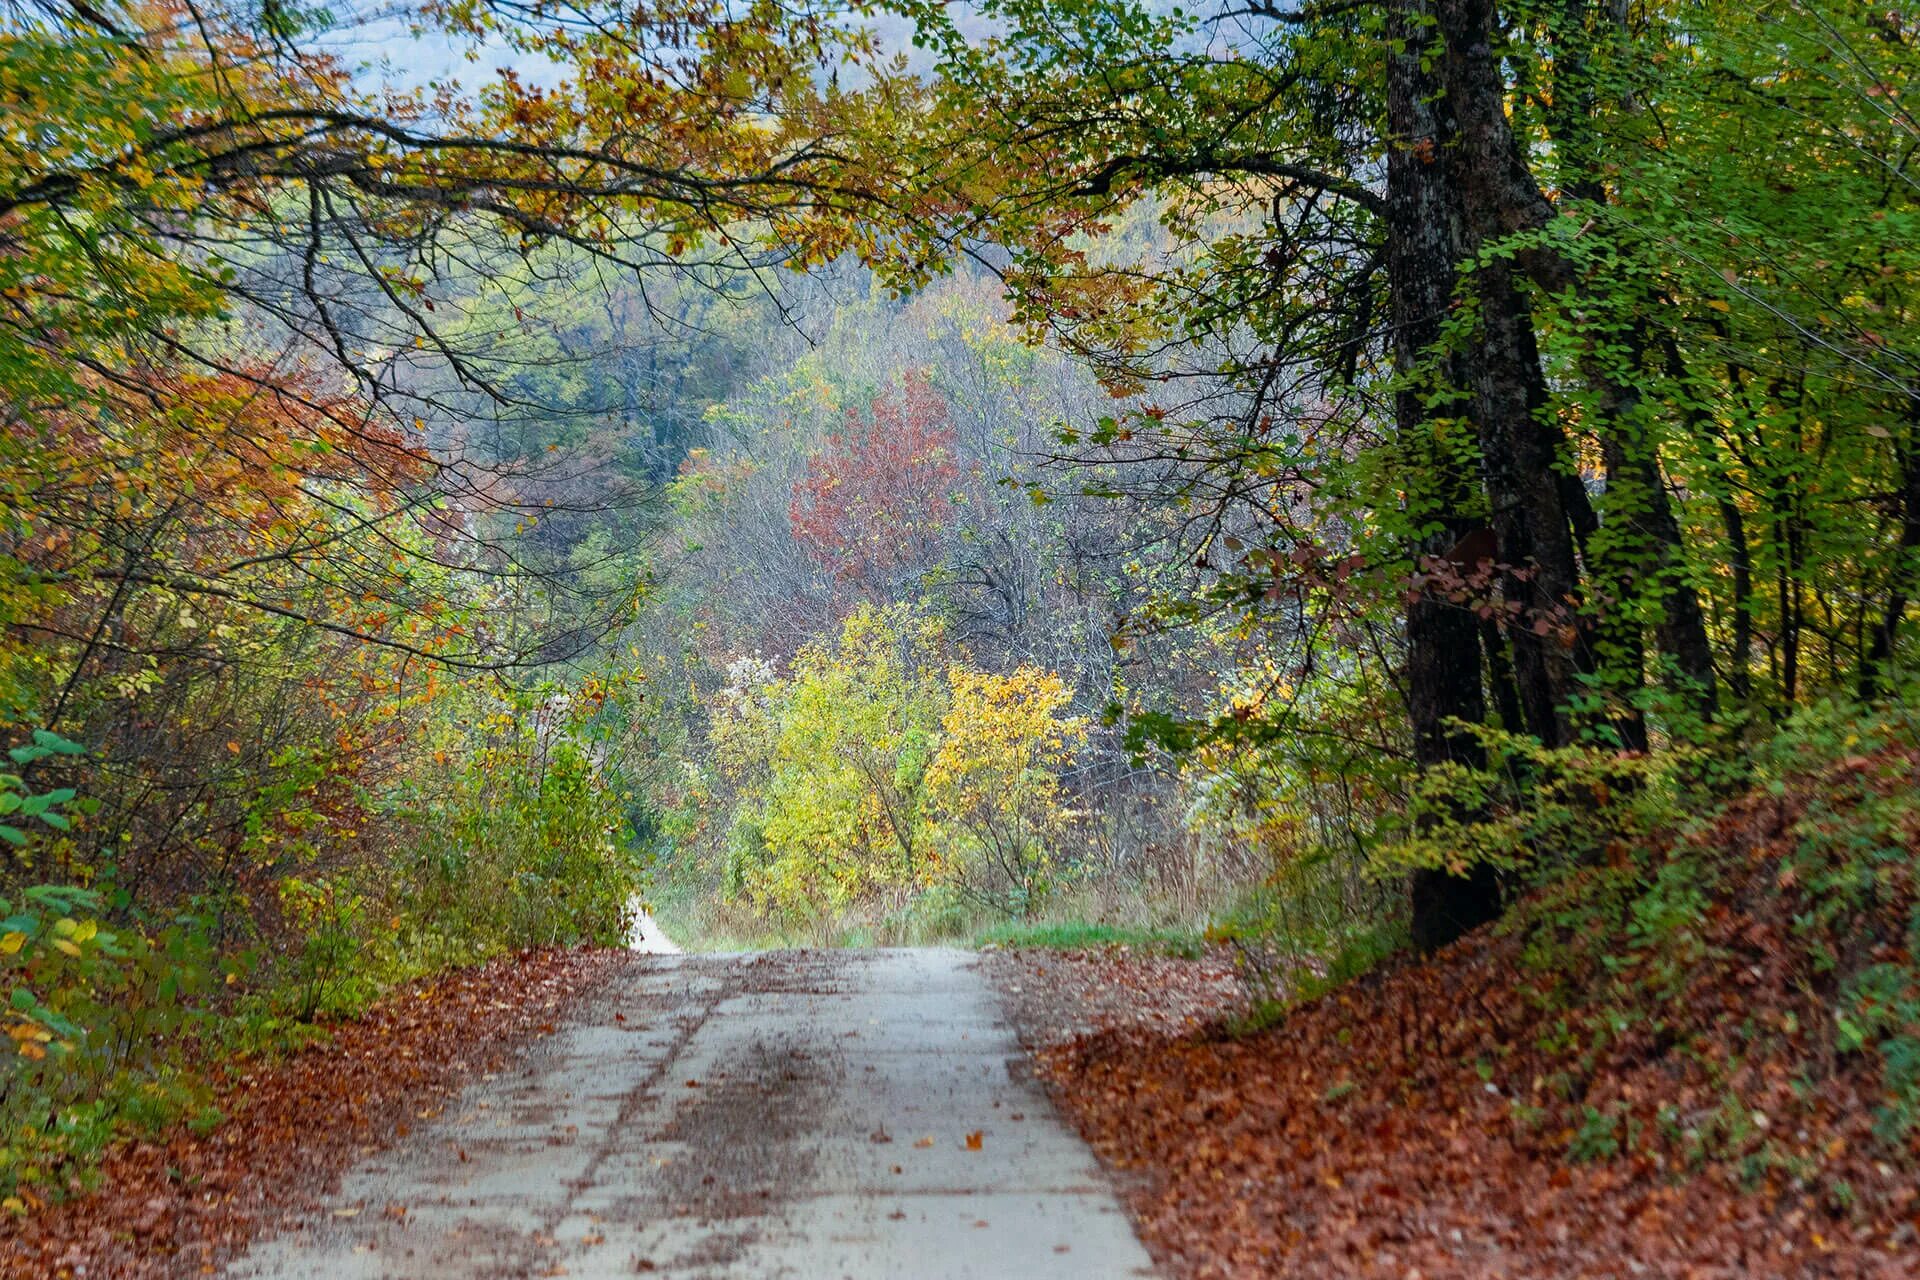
(180, 1206)
(877, 497)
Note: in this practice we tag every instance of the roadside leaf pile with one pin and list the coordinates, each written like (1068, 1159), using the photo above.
(180, 1206)
(1709, 1103)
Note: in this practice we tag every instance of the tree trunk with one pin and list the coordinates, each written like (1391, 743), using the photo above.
(1424, 248)
(1650, 558)
(1520, 452)
(1900, 583)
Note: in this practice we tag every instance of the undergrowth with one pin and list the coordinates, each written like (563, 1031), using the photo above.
(1688, 995)
(1708, 961)
(121, 1013)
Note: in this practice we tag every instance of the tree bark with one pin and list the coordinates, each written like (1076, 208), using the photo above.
(1424, 252)
(1886, 634)
(1521, 461)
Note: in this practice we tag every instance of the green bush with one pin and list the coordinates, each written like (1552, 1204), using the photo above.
(116, 1008)
(523, 845)
(97, 1019)
(1536, 810)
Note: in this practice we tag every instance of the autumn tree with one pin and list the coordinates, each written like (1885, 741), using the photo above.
(831, 765)
(995, 784)
(879, 493)
(1455, 294)
(274, 453)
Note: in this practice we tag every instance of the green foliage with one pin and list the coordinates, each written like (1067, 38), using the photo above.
(329, 973)
(521, 840)
(17, 804)
(97, 1020)
(1536, 809)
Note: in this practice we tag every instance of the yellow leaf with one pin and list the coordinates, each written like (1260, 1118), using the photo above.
(12, 942)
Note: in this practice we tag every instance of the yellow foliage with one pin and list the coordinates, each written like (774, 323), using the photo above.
(868, 770)
(994, 785)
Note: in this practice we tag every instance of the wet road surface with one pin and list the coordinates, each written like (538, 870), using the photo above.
(789, 1114)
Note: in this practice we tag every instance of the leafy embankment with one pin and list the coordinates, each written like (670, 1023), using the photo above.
(178, 1205)
(1700, 1060)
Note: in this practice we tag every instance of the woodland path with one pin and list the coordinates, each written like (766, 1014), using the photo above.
(787, 1114)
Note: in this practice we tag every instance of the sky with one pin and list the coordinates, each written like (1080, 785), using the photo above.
(378, 41)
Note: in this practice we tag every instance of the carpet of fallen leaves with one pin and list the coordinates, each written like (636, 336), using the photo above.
(1058, 997)
(295, 1122)
(1398, 1127)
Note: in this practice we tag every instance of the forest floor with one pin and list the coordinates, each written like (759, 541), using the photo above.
(1364, 1135)
(294, 1122)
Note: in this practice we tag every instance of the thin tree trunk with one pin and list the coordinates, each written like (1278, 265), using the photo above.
(1901, 582)
(1740, 669)
(1506, 699)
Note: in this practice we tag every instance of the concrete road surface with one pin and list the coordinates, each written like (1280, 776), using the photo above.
(647, 937)
(789, 1114)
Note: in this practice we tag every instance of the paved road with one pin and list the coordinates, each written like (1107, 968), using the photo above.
(647, 937)
(792, 1114)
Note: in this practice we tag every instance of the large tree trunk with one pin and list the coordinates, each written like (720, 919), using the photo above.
(1501, 196)
(1424, 249)
(1520, 451)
